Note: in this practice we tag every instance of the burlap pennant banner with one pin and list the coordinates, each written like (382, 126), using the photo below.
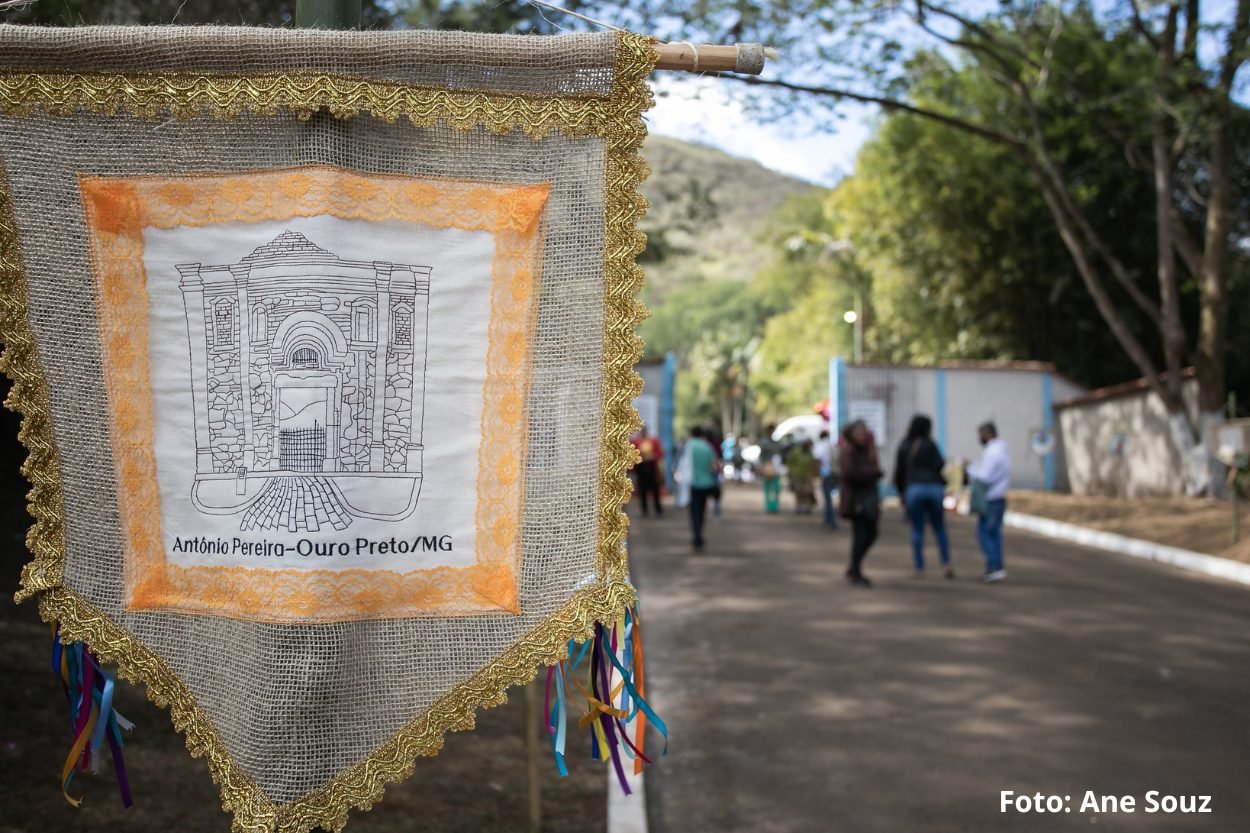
(324, 345)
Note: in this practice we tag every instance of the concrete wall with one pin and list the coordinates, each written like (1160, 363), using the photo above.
(1150, 465)
(658, 381)
(652, 374)
(958, 398)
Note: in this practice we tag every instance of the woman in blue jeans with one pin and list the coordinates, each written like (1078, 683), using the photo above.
(921, 485)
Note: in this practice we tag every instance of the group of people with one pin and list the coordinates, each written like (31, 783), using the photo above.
(920, 478)
(848, 472)
(807, 465)
(849, 475)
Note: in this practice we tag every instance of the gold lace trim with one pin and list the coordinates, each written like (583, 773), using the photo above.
(227, 96)
(618, 120)
(30, 397)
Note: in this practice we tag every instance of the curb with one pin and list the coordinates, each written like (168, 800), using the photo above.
(627, 813)
(1197, 562)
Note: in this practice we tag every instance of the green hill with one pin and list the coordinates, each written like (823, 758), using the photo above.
(707, 212)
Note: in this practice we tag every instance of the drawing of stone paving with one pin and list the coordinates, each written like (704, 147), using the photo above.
(308, 386)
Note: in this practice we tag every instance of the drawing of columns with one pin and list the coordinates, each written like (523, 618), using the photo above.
(420, 344)
(193, 300)
(377, 438)
(244, 320)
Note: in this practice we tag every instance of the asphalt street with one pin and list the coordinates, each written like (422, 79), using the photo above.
(798, 703)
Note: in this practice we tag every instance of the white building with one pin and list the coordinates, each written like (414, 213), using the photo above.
(1018, 397)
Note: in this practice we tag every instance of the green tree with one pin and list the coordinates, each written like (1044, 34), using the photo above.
(965, 262)
(758, 349)
(713, 329)
(813, 280)
(480, 16)
(1156, 83)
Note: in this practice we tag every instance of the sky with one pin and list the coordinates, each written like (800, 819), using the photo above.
(704, 109)
(701, 109)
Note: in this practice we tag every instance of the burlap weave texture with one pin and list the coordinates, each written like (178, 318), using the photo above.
(292, 714)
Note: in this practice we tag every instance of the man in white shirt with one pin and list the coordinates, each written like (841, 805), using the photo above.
(994, 470)
(827, 455)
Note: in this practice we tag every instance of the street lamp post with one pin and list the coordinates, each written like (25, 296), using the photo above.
(855, 317)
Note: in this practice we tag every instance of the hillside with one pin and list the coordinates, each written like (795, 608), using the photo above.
(707, 212)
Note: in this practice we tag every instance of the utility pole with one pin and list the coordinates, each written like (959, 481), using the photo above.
(855, 317)
(859, 325)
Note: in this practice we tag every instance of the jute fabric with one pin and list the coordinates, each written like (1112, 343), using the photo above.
(302, 721)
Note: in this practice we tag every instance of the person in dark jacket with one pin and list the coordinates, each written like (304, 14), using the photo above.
(918, 476)
(859, 498)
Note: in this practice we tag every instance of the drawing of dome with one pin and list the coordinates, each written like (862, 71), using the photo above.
(290, 245)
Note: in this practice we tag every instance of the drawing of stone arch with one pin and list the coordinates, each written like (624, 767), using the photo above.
(302, 328)
(298, 424)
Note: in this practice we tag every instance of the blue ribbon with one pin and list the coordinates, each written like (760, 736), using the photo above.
(641, 703)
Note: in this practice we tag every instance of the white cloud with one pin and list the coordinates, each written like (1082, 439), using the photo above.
(705, 110)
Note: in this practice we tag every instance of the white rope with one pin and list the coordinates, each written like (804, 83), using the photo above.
(695, 50)
(572, 13)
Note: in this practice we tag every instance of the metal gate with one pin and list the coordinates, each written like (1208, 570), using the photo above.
(302, 449)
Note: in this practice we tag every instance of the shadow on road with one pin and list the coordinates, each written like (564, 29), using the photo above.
(798, 703)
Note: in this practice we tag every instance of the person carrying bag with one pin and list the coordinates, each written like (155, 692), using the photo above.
(860, 498)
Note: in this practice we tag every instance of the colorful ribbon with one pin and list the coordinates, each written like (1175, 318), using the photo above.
(617, 713)
(93, 720)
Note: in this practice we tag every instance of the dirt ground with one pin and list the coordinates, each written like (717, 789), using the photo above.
(1199, 524)
(476, 784)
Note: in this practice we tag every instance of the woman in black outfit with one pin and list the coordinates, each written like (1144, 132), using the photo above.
(921, 486)
(859, 500)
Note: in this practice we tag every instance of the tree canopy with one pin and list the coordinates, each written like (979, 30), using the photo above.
(1060, 86)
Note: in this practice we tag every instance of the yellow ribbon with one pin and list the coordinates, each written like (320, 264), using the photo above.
(84, 737)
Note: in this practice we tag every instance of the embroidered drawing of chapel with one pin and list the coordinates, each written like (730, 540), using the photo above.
(301, 363)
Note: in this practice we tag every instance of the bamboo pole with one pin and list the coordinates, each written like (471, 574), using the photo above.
(533, 775)
(745, 58)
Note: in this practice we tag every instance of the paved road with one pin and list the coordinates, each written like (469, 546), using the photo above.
(798, 703)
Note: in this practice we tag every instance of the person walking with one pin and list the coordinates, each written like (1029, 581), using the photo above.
(698, 469)
(826, 455)
(770, 470)
(990, 477)
(801, 466)
(860, 501)
(921, 484)
(715, 440)
(648, 470)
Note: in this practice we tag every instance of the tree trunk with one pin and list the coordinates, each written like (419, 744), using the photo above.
(1170, 325)
(1089, 276)
(1195, 460)
(1209, 358)
(1213, 279)
(1173, 330)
